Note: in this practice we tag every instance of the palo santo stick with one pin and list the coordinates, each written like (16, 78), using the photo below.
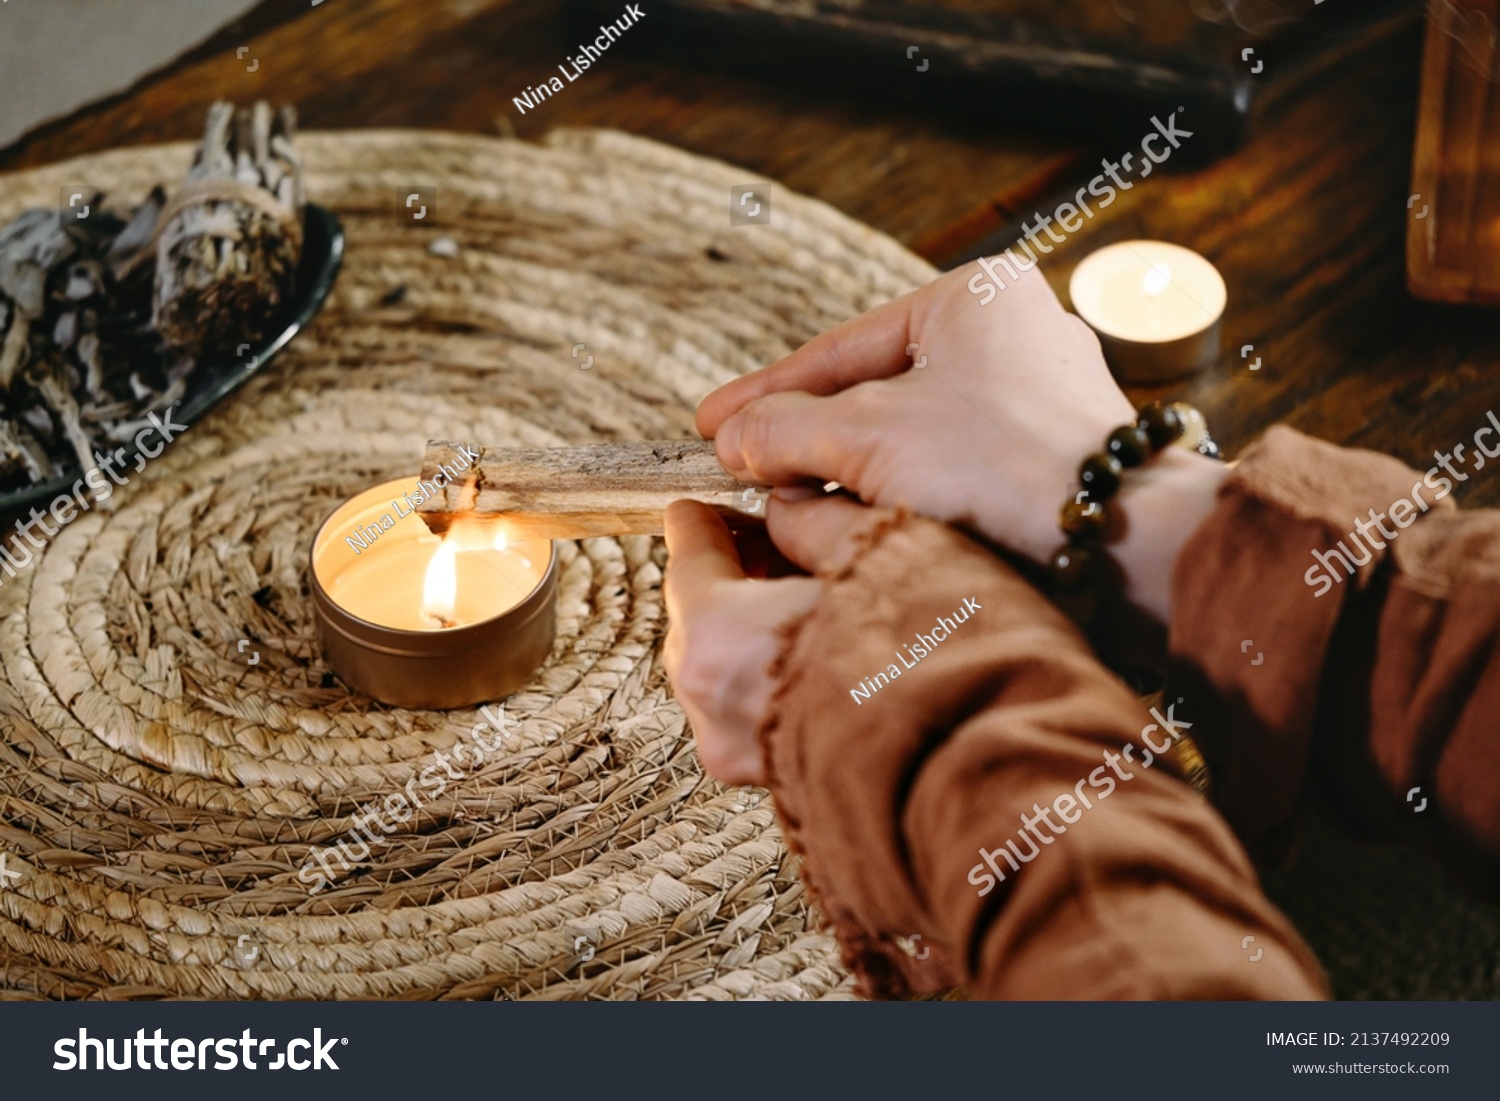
(582, 492)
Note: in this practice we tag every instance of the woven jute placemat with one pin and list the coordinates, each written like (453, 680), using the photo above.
(173, 746)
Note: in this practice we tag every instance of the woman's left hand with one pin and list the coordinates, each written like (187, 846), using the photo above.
(727, 629)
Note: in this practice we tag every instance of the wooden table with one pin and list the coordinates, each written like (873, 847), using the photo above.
(1306, 220)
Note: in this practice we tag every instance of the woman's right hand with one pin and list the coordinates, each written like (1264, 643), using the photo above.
(988, 434)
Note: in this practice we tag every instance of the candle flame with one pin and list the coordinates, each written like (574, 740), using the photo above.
(440, 586)
(1158, 279)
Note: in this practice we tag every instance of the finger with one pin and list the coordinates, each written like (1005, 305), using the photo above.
(822, 536)
(759, 556)
(872, 345)
(700, 552)
(784, 438)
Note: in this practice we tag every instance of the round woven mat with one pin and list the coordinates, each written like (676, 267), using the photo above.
(173, 746)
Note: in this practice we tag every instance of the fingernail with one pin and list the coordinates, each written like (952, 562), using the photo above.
(727, 444)
(790, 495)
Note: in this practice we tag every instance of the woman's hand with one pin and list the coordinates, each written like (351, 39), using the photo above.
(726, 630)
(989, 434)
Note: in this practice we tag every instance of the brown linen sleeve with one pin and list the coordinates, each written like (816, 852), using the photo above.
(1371, 686)
(1131, 887)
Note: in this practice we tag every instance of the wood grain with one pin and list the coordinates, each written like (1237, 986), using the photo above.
(456, 64)
(996, 63)
(1307, 221)
(582, 492)
(1453, 242)
(1308, 224)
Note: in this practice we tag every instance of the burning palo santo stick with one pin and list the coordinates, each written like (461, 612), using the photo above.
(582, 492)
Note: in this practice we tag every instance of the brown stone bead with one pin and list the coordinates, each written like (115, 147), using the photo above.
(1083, 519)
(1130, 444)
(1080, 607)
(1100, 476)
(1074, 567)
(1162, 424)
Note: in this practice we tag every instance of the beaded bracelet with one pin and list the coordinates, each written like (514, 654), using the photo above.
(1077, 565)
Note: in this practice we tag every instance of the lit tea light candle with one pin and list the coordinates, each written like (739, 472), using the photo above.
(415, 620)
(1156, 308)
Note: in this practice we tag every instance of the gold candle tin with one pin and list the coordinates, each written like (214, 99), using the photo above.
(421, 669)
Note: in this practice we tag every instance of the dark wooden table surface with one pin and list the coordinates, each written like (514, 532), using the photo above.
(1306, 220)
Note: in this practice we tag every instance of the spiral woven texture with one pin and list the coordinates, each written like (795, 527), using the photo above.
(174, 747)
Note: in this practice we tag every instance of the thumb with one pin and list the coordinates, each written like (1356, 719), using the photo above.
(822, 535)
(700, 553)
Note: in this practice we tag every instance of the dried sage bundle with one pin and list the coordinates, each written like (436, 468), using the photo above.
(103, 320)
(77, 354)
(231, 237)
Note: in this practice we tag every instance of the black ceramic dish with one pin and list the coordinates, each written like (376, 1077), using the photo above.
(322, 253)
